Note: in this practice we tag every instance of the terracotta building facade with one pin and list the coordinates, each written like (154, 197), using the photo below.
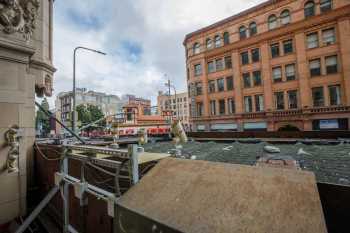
(282, 65)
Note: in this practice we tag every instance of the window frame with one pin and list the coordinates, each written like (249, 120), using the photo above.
(332, 69)
(222, 103)
(288, 77)
(220, 83)
(272, 22)
(290, 104)
(280, 78)
(209, 43)
(326, 5)
(312, 70)
(324, 39)
(321, 102)
(246, 77)
(285, 46)
(338, 95)
(217, 41)
(211, 86)
(259, 83)
(198, 72)
(242, 32)
(253, 29)
(245, 58)
(226, 38)
(259, 103)
(229, 87)
(255, 53)
(212, 105)
(285, 14)
(248, 108)
(277, 103)
(309, 11)
(196, 48)
(275, 47)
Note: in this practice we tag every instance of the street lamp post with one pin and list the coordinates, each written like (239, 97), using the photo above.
(168, 84)
(74, 93)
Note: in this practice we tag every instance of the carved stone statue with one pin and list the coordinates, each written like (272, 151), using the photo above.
(18, 16)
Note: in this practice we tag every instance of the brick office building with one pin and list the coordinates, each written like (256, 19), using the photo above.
(282, 65)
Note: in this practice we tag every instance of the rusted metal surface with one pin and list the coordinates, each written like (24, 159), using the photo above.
(205, 197)
(262, 134)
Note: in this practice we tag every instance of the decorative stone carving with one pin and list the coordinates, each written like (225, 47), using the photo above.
(18, 16)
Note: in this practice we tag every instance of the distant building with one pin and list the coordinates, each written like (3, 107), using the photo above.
(109, 104)
(281, 65)
(178, 106)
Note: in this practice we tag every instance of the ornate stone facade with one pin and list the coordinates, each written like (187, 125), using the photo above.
(25, 70)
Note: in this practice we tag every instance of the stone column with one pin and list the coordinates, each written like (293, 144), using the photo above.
(344, 38)
(303, 71)
(237, 82)
(25, 68)
(267, 80)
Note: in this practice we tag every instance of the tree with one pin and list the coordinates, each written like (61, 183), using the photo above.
(42, 121)
(87, 114)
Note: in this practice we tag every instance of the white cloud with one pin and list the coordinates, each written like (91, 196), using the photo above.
(157, 27)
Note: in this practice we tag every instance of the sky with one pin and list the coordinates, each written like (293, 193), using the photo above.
(142, 39)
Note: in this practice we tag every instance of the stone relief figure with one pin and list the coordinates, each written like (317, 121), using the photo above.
(18, 16)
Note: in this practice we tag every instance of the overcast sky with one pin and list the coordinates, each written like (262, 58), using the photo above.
(143, 40)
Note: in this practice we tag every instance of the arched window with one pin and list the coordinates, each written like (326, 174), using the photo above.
(226, 38)
(209, 43)
(196, 48)
(272, 22)
(242, 32)
(253, 29)
(217, 41)
(309, 9)
(285, 17)
(325, 5)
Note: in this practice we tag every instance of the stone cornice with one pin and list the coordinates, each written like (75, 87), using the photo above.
(40, 64)
(18, 47)
(278, 32)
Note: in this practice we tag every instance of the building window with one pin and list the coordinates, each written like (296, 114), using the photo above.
(257, 78)
(211, 67)
(199, 89)
(245, 58)
(212, 107)
(228, 62)
(221, 84)
(259, 103)
(246, 80)
(217, 41)
(277, 74)
(255, 55)
(196, 48)
(248, 104)
(242, 32)
(199, 107)
(332, 65)
(317, 96)
(219, 64)
(253, 30)
(328, 36)
(285, 17)
(312, 40)
(288, 46)
(275, 50)
(211, 86)
(222, 106)
(292, 99)
(309, 9)
(325, 5)
(226, 38)
(334, 95)
(279, 99)
(315, 67)
(209, 43)
(290, 72)
(231, 105)
(229, 83)
(198, 69)
(272, 22)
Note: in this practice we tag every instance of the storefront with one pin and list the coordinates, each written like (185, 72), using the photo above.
(255, 126)
(330, 124)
